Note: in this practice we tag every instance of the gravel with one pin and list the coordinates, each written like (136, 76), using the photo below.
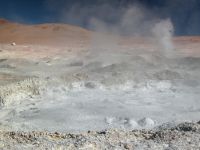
(185, 136)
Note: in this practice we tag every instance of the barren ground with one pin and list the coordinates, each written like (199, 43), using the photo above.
(61, 79)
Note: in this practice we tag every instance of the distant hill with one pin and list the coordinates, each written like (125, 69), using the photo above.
(42, 34)
(55, 34)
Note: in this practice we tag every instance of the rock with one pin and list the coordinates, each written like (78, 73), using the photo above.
(109, 120)
(132, 123)
(90, 85)
(146, 122)
(13, 44)
(128, 146)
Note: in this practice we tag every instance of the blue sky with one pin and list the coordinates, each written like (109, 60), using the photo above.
(185, 14)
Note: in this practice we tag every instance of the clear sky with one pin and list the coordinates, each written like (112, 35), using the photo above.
(185, 14)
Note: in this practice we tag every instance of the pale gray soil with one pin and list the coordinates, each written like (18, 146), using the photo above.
(133, 91)
(185, 136)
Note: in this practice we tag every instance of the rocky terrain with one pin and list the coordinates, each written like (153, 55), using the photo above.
(185, 136)
(64, 87)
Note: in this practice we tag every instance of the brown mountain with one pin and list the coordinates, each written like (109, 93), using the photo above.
(43, 34)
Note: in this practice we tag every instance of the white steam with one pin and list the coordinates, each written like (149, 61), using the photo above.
(163, 33)
(112, 21)
(135, 21)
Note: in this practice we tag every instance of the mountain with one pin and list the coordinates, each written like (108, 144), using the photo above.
(42, 34)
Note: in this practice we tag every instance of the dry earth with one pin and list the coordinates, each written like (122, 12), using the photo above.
(47, 42)
(185, 136)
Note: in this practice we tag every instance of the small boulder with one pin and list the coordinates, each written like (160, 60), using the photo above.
(13, 44)
(146, 122)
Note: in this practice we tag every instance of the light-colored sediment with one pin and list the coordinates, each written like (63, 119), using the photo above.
(14, 92)
(185, 136)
